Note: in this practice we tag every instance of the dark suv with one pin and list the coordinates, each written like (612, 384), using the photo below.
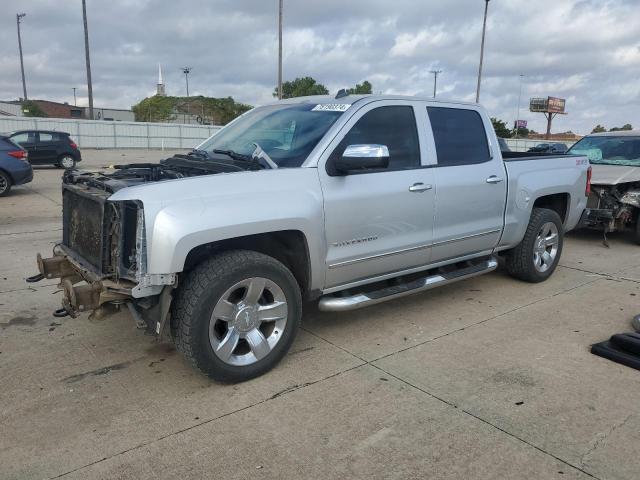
(47, 147)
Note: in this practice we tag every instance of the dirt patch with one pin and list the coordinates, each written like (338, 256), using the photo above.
(100, 371)
(161, 349)
(19, 320)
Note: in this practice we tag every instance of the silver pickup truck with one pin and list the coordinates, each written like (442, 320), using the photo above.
(346, 200)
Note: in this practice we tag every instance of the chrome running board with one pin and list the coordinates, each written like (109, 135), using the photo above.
(331, 303)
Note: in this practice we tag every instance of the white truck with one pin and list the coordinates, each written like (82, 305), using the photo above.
(346, 200)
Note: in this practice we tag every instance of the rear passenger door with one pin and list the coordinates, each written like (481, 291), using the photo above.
(470, 184)
(47, 147)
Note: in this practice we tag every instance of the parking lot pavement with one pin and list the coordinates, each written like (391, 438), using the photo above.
(488, 378)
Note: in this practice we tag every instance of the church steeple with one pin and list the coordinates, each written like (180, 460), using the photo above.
(160, 87)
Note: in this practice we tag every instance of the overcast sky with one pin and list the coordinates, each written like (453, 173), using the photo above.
(587, 51)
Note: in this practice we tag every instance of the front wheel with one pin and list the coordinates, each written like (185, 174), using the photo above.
(537, 256)
(236, 315)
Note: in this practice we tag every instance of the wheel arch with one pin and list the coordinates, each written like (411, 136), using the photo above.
(558, 202)
(290, 247)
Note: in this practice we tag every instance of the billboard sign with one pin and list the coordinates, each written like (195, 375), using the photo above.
(556, 105)
(548, 105)
(521, 124)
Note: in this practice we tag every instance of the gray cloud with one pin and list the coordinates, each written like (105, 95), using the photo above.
(585, 50)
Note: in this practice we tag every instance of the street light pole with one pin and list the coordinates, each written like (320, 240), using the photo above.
(519, 98)
(24, 84)
(484, 30)
(280, 49)
(87, 59)
(435, 80)
(187, 71)
(74, 97)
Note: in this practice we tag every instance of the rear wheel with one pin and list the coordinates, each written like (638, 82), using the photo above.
(236, 315)
(66, 162)
(5, 184)
(537, 256)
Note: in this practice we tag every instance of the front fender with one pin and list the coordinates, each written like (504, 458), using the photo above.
(181, 215)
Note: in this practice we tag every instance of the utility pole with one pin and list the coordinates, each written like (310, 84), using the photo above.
(519, 98)
(74, 96)
(24, 84)
(484, 30)
(435, 80)
(280, 49)
(88, 61)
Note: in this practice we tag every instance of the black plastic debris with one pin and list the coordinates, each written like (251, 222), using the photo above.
(622, 348)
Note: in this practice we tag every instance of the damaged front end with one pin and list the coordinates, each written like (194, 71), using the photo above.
(101, 261)
(613, 207)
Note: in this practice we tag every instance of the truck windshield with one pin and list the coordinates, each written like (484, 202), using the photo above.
(622, 150)
(287, 133)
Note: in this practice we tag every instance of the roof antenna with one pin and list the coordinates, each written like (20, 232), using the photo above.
(341, 93)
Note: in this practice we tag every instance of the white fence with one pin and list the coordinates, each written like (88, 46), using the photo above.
(107, 134)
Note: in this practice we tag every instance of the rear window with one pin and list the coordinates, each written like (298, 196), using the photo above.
(7, 144)
(459, 135)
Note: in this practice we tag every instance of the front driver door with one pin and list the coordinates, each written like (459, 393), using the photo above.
(378, 221)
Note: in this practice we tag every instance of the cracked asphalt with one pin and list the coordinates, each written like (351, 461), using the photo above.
(486, 379)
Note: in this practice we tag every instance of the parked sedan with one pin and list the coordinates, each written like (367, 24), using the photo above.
(549, 148)
(48, 147)
(15, 168)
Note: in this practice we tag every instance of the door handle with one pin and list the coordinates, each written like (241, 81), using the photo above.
(419, 187)
(494, 179)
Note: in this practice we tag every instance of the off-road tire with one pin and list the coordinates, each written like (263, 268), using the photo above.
(519, 260)
(199, 292)
(5, 182)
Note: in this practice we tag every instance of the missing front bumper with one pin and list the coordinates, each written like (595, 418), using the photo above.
(83, 291)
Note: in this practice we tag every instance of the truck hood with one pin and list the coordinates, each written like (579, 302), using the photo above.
(614, 174)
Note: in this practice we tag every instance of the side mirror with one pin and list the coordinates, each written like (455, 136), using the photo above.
(363, 157)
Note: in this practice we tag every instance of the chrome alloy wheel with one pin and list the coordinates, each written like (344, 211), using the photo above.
(248, 321)
(67, 161)
(545, 247)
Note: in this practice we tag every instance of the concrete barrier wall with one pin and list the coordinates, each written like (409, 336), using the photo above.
(108, 134)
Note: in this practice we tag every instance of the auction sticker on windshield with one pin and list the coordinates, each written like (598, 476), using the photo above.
(331, 107)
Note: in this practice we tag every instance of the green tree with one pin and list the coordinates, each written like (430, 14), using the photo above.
(360, 89)
(301, 87)
(626, 126)
(501, 128)
(32, 109)
(598, 129)
(216, 111)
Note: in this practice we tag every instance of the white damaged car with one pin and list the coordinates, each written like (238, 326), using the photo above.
(614, 201)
